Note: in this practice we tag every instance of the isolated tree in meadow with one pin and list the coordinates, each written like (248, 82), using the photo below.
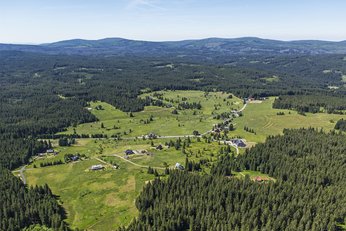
(64, 142)
(196, 133)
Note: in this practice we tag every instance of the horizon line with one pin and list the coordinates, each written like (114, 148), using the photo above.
(163, 41)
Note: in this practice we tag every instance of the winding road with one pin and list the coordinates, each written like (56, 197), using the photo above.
(171, 137)
(183, 136)
(21, 173)
(138, 165)
(22, 170)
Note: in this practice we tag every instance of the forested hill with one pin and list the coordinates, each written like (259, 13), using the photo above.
(43, 93)
(210, 47)
(21, 206)
(309, 192)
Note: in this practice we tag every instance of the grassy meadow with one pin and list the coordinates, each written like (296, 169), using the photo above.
(263, 119)
(93, 200)
(105, 200)
(164, 122)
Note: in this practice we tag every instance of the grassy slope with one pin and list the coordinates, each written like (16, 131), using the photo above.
(165, 123)
(265, 121)
(196, 151)
(105, 200)
(101, 200)
(272, 79)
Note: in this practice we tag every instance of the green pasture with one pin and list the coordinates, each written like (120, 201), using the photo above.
(272, 79)
(105, 200)
(252, 175)
(164, 123)
(263, 119)
(168, 157)
(94, 200)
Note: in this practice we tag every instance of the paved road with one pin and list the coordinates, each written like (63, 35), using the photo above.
(22, 176)
(185, 136)
(178, 136)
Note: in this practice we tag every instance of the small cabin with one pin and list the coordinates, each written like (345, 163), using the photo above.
(239, 143)
(179, 166)
(258, 179)
(74, 158)
(97, 167)
(129, 152)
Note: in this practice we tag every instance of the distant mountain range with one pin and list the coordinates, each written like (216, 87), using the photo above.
(209, 46)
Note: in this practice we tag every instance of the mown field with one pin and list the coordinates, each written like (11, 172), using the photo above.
(105, 200)
(100, 200)
(163, 123)
(94, 200)
(263, 119)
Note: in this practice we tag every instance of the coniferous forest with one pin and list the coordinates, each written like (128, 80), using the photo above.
(22, 206)
(231, 118)
(42, 94)
(308, 193)
(341, 125)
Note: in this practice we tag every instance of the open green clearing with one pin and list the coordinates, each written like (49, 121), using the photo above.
(272, 79)
(100, 200)
(104, 200)
(343, 78)
(264, 120)
(164, 123)
(170, 156)
(253, 175)
(94, 200)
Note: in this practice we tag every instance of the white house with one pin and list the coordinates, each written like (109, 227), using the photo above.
(179, 166)
(97, 167)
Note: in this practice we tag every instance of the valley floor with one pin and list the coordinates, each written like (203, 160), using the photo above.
(105, 199)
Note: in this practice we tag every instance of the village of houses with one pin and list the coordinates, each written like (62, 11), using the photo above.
(215, 131)
(237, 143)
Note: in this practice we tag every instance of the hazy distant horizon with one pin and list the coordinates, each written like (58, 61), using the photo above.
(178, 40)
(46, 21)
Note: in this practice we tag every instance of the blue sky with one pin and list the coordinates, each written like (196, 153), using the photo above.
(39, 21)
